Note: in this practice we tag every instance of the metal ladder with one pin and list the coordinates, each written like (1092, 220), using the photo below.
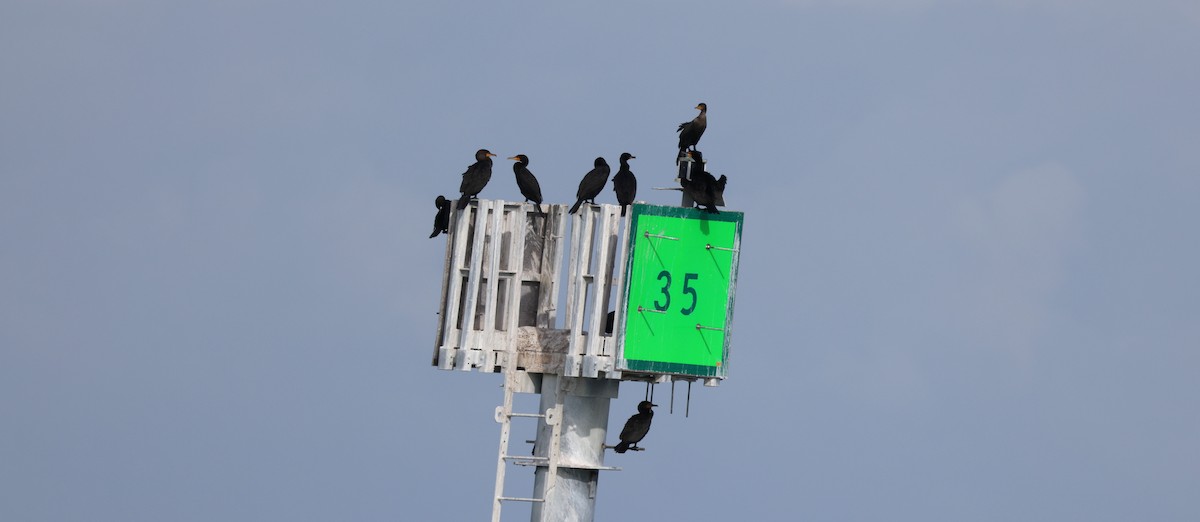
(504, 416)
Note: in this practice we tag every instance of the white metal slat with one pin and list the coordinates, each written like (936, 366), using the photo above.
(600, 283)
(451, 314)
(487, 333)
(516, 259)
(582, 239)
(472, 293)
(573, 269)
(552, 265)
(619, 284)
(447, 272)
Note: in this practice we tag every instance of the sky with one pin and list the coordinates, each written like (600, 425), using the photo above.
(968, 284)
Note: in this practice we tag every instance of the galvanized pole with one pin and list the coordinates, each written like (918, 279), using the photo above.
(576, 456)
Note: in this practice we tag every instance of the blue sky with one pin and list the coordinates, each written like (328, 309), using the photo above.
(968, 287)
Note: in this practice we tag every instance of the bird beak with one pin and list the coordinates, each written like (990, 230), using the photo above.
(632, 157)
(491, 155)
(653, 405)
(514, 158)
(697, 107)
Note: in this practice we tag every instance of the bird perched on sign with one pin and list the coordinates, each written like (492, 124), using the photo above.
(441, 222)
(476, 177)
(703, 188)
(526, 182)
(636, 428)
(690, 132)
(591, 184)
(624, 183)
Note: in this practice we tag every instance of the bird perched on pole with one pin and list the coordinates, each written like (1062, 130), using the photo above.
(624, 183)
(441, 222)
(591, 184)
(690, 132)
(703, 188)
(527, 182)
(476, 177)
(636, 428)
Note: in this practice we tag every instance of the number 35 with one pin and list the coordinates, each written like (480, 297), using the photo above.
(687, 289)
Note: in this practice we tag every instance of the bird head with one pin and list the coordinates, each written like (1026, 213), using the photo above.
(645, 406)
(625, 156)
(521, 158)
(441, 200)
(481, 154)
(702, 107)
(600, 162)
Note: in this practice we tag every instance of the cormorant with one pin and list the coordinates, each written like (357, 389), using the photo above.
(624, 183)
(476, 177)
(526, 182)
(441, 222)
(703, 188)
(591, 184)
(690, 132)
(636, 427)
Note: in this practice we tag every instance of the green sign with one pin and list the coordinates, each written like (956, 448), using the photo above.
(680, 281)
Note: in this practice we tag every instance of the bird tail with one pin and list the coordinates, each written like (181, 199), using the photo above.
(623, 207)
(435, 233)
(464, 201)
(575, 207)
(622, 447)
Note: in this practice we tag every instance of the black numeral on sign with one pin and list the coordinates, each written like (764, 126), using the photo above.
(687, 278)
(665, 290)
(688, 289)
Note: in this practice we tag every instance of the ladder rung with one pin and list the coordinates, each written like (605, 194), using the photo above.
(527, 461)
(522, 499)
(526, 415)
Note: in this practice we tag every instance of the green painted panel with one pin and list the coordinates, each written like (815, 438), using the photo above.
(680, 282)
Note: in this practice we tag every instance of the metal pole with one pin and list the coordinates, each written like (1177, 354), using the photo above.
(574, 446)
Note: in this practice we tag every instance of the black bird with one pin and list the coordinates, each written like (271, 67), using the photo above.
(690, 132)
(591, 184)
(441, 223)
(703, 188)
(624, 183)
(476, 177)
(636, 427)
(526, 182)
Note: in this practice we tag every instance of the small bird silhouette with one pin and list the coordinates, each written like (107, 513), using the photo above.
(441, 222)
(690, 131)
(624, 183)
(591, 184)
(527, 182)
(703, 188)
(476, 177)
(636, 427)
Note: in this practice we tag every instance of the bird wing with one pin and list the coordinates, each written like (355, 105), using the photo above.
(636, 428)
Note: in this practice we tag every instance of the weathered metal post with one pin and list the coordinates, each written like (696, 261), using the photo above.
(579, 457)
